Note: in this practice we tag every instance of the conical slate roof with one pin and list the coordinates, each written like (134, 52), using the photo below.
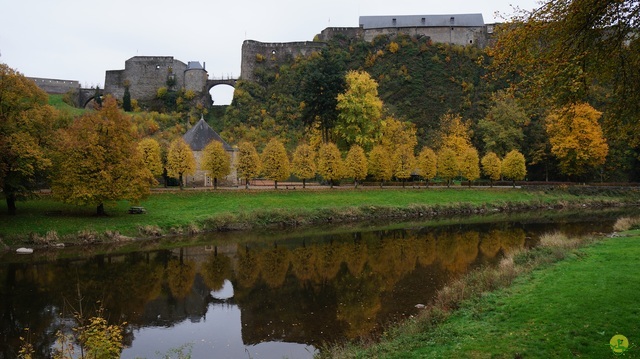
(200, 135)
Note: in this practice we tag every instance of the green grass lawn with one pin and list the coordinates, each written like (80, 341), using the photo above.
(168, 210)
(569, 309)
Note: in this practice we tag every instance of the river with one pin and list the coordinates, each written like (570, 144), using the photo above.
(260, 295)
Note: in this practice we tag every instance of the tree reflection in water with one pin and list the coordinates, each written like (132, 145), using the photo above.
(307, 290)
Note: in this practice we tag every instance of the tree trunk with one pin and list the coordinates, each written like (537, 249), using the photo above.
(246, 184)
(403, 183)
(11, 203)
(381, 183)
(331, 183)
(180, 179)
(355, 183)
(304, 184)
(490, 182)
(448, 183)
(165, 176)
(514, 183)
(215, 183)
(101, 211)
(276, 184)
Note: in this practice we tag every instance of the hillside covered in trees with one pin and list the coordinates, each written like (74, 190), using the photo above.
(576, 138)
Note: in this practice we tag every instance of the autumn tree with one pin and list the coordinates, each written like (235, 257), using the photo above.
(448, 167)
(576, 138)
(330, 164)
(304, 163)
(98, 161)
(249, 164)
(180, 160)
(427, 164)
(514, 166)
(470, 165)
(396, 133)
(405, 162)
(502, 128)
(275, 162)
(151, 155)
(359, 111)
(356, 164)
(380, 164)
(491, 166)
(26, 128)
(216, 161)
(455, 134)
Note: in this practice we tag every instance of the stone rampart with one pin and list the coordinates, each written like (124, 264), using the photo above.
(256, 54)
(56, 86)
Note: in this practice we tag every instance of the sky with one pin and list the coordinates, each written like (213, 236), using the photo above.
(81, 39)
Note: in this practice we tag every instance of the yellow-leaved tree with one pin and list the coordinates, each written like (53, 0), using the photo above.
(98, 160)
(405, 162)
(151, 155)
(249, 164)
(514, 166)
(576, 138)
(216, 161)
(491, 166)
(456, 134)
(380, 164)
(427, 164)
(304, 163)
(180, 160)
(330, 164)
(275, 162)
(396, 133)
(356, 164)
(470, 165)
(26, 129)
(448, 167)
(359, 111)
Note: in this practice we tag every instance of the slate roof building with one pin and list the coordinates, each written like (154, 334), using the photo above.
(198, 137)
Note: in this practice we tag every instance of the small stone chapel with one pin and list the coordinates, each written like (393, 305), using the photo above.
(198, 137)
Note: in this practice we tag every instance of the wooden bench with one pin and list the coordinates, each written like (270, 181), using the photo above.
(137, 210)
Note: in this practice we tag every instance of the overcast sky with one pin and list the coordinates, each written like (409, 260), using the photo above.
(81, 39)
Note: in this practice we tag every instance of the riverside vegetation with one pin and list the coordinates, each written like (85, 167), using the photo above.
(47, 222)
(567, 297)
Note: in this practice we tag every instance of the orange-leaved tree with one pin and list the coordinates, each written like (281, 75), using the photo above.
(380, 164)
(470, 165)
(97, 160)
(576, 138)
(26, 129)
(405, 162)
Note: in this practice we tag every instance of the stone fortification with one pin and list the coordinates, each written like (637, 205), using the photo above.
(56, 86)
(146, 74)
(256, 54)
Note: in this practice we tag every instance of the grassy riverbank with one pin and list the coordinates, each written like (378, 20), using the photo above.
(197, 211)
(570, 308)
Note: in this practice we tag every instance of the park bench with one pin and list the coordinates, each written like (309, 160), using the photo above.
(137, 210)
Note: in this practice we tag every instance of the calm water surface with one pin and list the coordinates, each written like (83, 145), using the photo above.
(269, 298)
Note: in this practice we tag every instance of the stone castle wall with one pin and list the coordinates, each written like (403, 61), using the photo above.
(146, 74)
(447, 35)
(256, 54)
(56, 86)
